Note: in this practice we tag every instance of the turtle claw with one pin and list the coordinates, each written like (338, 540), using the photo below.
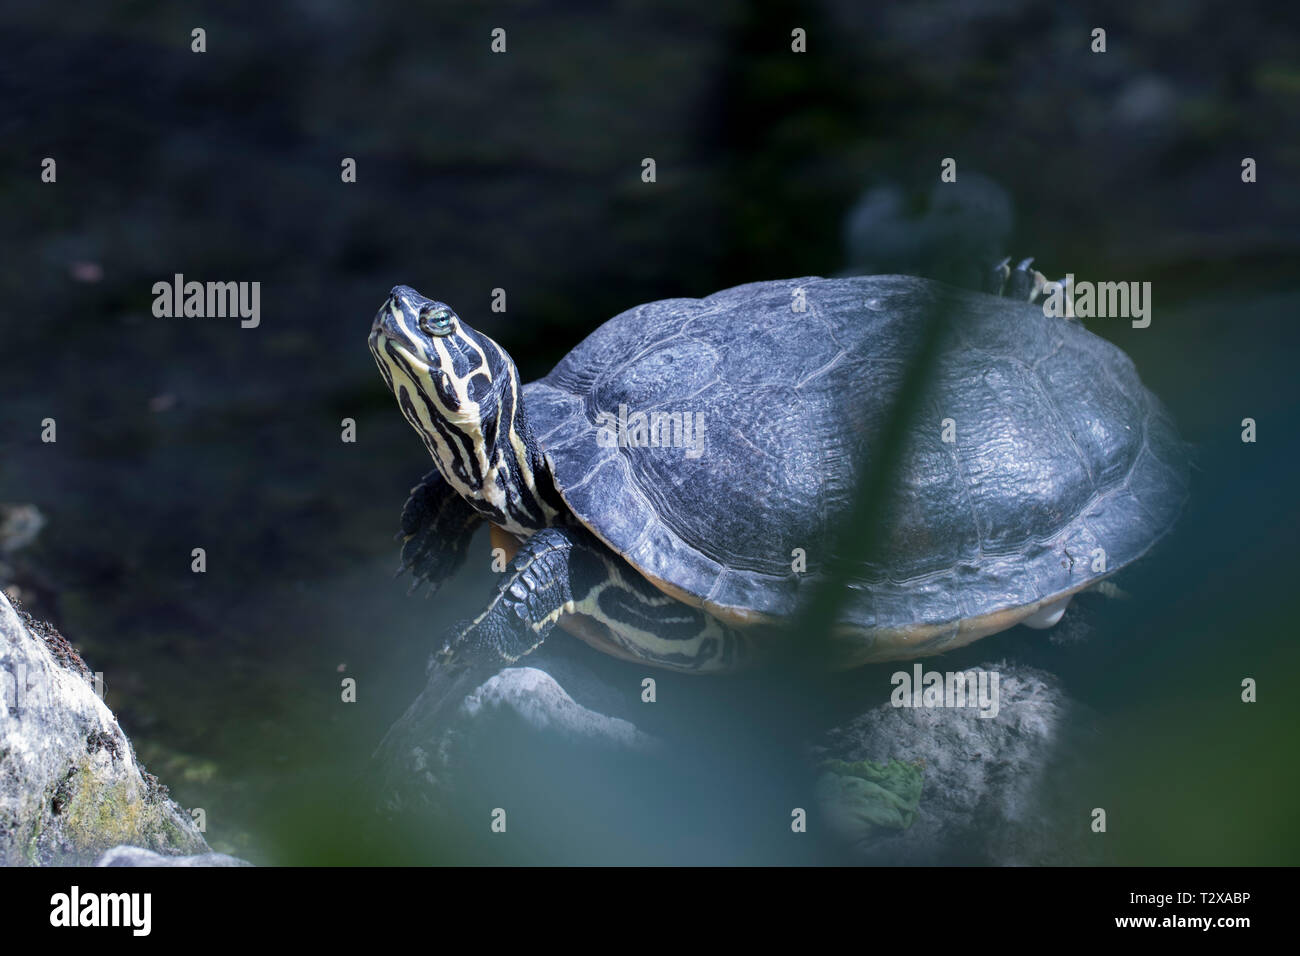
(1023, 282)
(1063, 287)
(995, 279)
(472, 645)
(444, 659)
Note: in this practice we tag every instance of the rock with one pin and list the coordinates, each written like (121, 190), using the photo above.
(893, 785)
(982, 797)
(19, 526)
(139, 856)
(70, 786)
(529, 699)
(427, 758)
(20, 578)
(860, 798)
(964, 228)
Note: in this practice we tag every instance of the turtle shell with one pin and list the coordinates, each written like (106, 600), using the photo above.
(1055, 450)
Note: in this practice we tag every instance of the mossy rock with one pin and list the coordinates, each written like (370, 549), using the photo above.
(70, 785)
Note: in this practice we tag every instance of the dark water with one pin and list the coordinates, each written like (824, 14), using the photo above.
(523, 172)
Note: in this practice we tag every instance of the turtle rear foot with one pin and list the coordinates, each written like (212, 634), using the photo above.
(1023, 282)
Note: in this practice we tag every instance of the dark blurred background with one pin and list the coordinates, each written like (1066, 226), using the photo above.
(523, 171)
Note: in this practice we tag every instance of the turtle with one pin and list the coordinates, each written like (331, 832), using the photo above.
(673, 489)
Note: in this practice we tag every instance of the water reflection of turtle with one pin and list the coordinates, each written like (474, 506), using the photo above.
(745, 422)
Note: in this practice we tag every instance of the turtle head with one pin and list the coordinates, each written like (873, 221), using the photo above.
(460, 391)
(441, 370)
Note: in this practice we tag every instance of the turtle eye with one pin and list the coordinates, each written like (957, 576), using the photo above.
(437, 321)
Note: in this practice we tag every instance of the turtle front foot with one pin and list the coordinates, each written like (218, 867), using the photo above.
(468, 654)
(437, 527)
(531, 596)
(486, 644)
